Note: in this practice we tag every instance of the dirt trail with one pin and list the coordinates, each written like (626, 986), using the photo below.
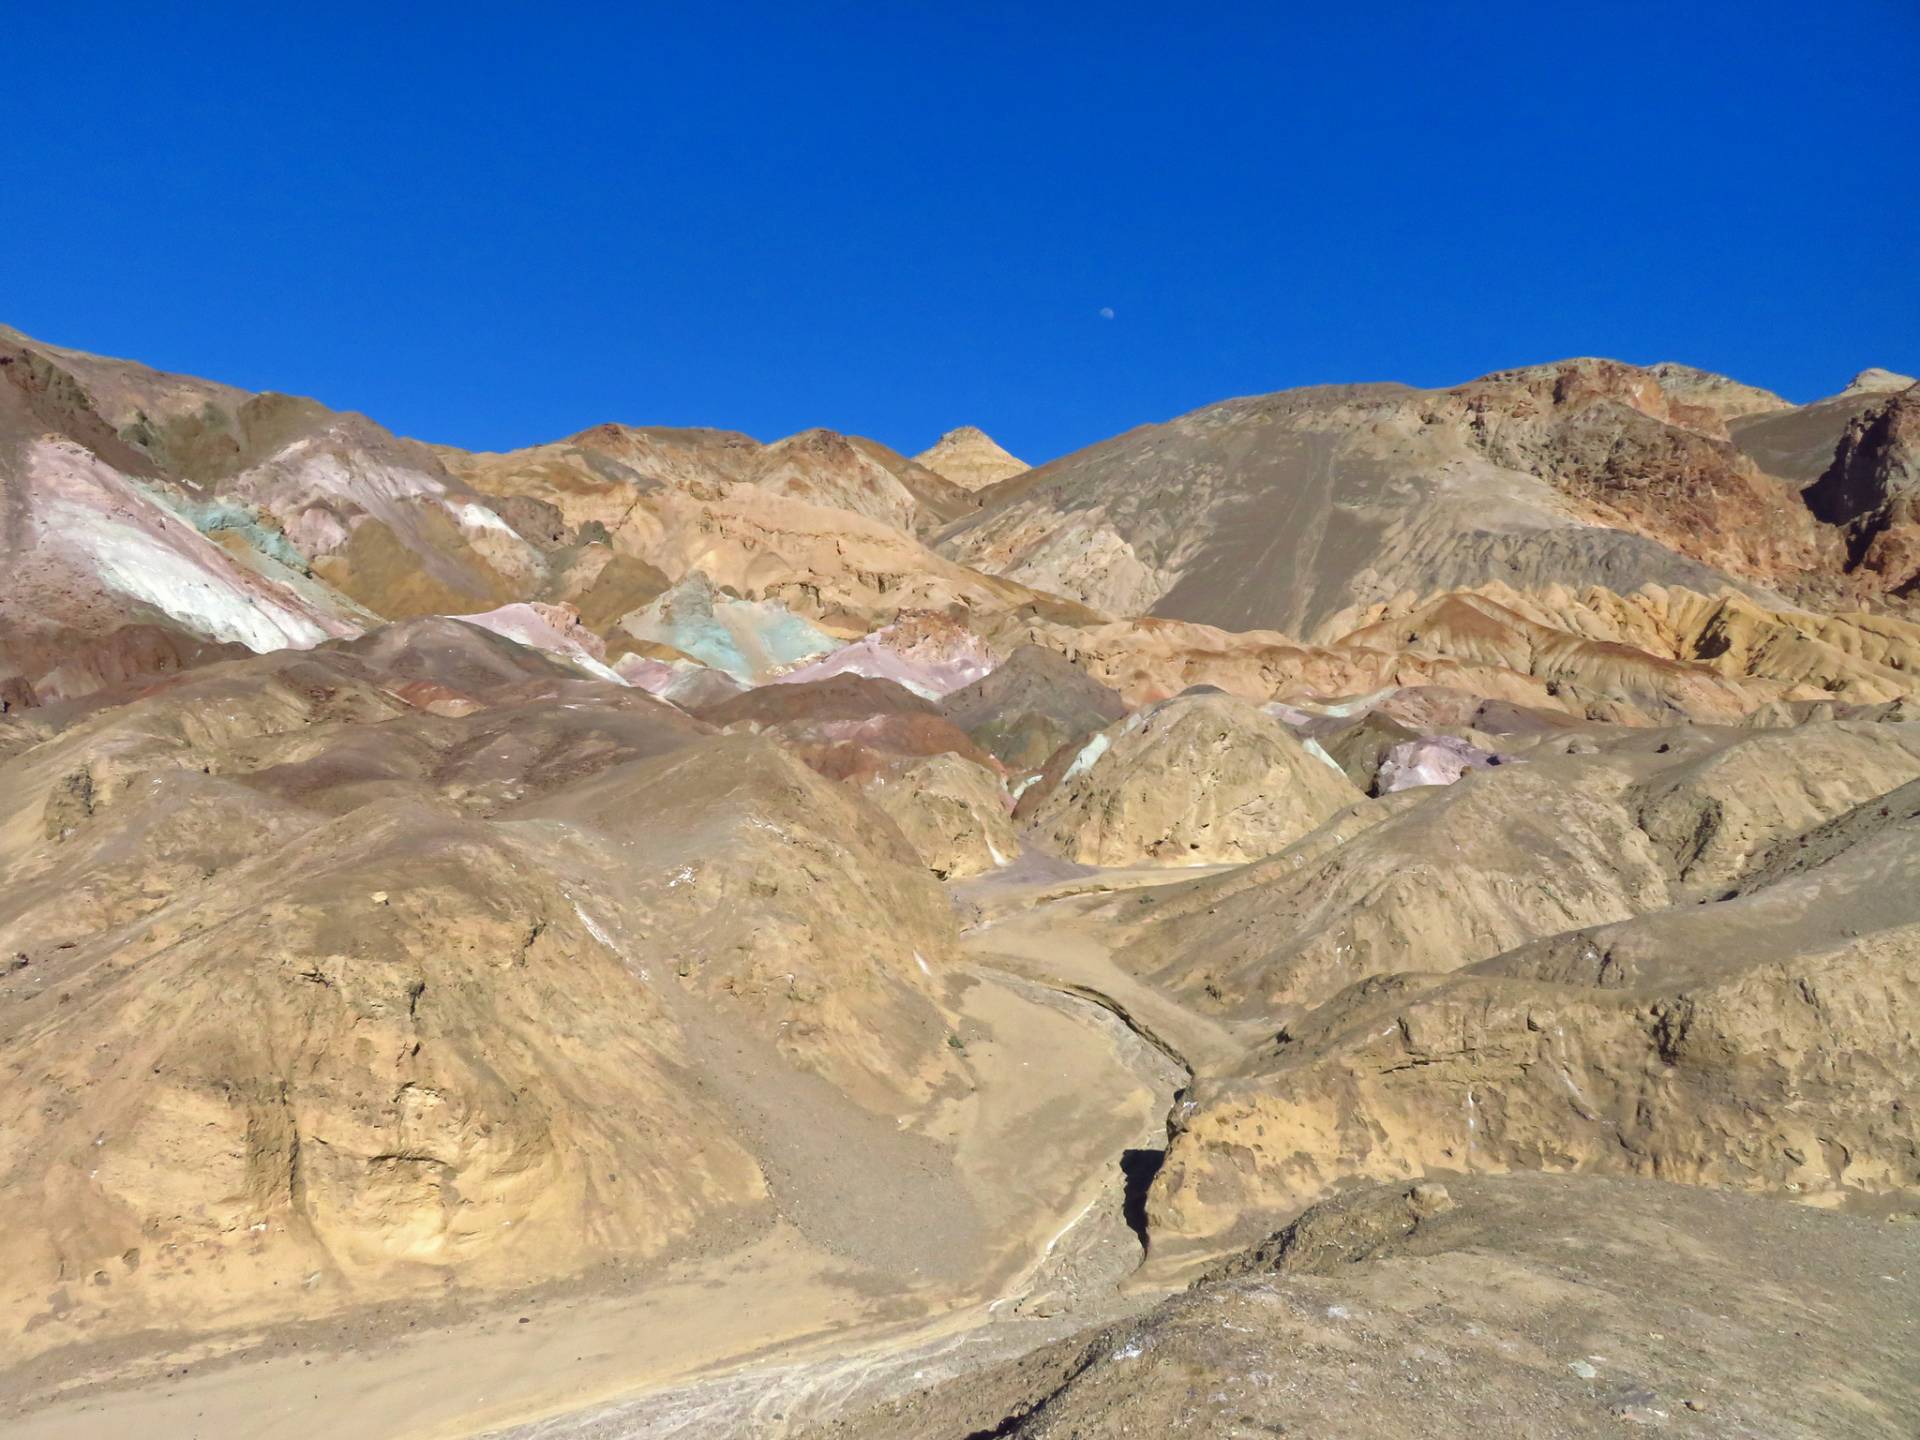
(1074, 1061)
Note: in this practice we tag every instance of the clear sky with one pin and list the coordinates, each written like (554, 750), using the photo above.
(492, 225)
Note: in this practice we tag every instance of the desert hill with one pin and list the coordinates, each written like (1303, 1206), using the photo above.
(155, 516)
(443, 932)
(1278, 511)
(1366, 901)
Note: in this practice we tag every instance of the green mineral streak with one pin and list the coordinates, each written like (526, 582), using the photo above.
(210, 516)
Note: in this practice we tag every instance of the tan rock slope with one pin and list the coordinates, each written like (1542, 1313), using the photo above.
(1428, 880)
(955, 814)
(1876, 381)
(822, 524)
(1726, 398)
(1765, 1047)
(1421, 880)
(366, 999)
(1711, 817)
(1646, 657)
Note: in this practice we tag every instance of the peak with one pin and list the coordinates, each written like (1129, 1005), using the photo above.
(1726, 397)
(1875, 381)
(968, 456)
(968, 437)
(816, 438)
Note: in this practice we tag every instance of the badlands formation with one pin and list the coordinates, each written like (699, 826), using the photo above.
(1362, 911)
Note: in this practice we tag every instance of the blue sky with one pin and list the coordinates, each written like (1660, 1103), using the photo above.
(492, 225)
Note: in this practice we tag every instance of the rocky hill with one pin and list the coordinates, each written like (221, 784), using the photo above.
(1362, 910)
(1278, 512)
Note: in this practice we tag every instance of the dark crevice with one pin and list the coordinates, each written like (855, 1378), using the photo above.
(1139, 1167)
(1007, 1427)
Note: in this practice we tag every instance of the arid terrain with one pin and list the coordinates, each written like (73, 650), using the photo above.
(1362, 911)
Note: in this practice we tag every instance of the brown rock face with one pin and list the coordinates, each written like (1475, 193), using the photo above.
(1608, 435)
(1872, 489)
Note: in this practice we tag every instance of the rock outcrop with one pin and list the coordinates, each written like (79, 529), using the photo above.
(1200, 779)
(1760, 1043)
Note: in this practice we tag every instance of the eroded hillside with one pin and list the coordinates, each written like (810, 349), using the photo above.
(740, 938)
